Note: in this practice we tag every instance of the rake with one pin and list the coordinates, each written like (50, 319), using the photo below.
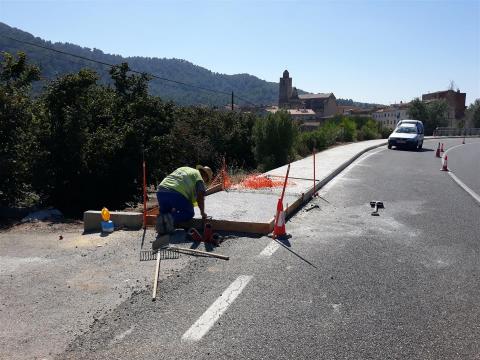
(165, 254)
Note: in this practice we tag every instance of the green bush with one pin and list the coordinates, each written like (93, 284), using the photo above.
(274, 137)
(340, 128)
(385, 132)
(349, 129)
(308, 140)
(369, 130)
(329, 134)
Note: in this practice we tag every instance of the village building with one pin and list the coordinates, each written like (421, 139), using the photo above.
(389, 116)
(296, 114)
(323, 105)
(455, 101)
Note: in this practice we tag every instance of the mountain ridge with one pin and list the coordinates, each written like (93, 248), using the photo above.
(245, 86)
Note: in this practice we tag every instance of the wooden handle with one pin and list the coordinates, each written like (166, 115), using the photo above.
(192, 251)
(155, 282)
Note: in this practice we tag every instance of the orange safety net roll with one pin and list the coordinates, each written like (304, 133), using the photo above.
(251, 181)
(256, 181)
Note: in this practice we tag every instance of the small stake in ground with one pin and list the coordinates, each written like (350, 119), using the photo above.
(314, 178)
(155, 281)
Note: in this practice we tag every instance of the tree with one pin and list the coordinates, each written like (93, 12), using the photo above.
(432, 114)
(349, 129)
(437, 115)
(369, 130)
(17, 142)
(274, 137)
(94, 139)
(473, 113)
(418, 110)
(66, 119)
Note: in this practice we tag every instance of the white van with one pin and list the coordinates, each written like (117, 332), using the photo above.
(408, 133)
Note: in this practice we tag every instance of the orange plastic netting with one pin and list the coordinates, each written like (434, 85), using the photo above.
(246, 181)
(258, 181)
(253, 180)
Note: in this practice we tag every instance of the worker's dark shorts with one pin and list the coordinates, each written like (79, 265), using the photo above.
(170, 199)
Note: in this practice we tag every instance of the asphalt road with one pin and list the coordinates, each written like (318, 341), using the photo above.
(464, 161)
(403, 285)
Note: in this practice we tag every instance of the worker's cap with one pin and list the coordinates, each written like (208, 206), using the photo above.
(207, 171)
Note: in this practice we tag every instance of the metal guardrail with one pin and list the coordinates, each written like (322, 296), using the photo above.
(446, 131)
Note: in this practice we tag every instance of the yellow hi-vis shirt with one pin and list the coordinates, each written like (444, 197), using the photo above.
(184, 181)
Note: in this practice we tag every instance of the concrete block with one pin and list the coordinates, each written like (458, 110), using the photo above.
(131, 220)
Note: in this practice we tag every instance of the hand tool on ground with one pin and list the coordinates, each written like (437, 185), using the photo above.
(164, 253)
(155, 281)
(198, 252)
(209, 237)
(377, 205)
(313, 207)
(195, 235)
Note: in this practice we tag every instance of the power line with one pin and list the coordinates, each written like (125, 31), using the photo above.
(131, 70)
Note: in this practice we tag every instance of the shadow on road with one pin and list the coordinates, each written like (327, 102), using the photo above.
(414, 150)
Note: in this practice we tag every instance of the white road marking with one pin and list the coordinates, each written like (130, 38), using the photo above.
(269, 249)
(453, 147)
(213, 313)
(472, 193)
(457, 146)
(465, 187)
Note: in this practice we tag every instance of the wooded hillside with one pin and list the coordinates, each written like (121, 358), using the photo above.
(53, 65)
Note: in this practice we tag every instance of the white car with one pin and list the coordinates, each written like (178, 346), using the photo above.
(409, 133)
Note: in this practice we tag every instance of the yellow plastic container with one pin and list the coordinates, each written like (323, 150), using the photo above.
(105, 214)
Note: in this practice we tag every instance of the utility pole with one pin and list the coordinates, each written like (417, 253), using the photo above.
(232, 100)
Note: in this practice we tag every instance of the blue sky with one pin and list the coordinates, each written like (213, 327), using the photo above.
(375, 51)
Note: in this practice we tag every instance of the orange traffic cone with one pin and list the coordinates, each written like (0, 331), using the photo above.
(445, 165)
(441, 149)
(279, 226)
(437, 154)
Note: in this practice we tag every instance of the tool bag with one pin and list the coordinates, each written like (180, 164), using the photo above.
(164, 224)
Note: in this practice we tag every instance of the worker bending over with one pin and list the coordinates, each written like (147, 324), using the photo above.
(180, 191)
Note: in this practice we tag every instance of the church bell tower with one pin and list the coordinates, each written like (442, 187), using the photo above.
(285, 89)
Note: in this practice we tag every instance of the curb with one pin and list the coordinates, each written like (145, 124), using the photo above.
(306, 197)
(135, 220)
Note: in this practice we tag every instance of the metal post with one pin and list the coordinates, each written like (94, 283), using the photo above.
(314, 179)
(144, 195)
(285, 183)
(232, 101)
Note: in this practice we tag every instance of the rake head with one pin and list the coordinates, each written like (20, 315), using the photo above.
(165, 254)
